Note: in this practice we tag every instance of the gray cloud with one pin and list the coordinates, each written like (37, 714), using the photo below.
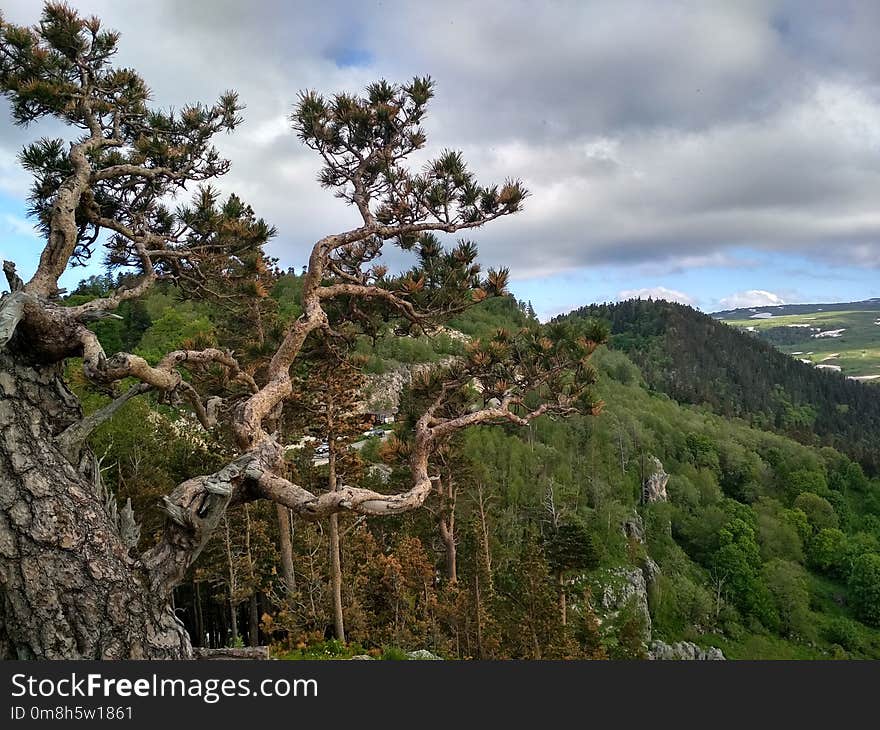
(657, 134)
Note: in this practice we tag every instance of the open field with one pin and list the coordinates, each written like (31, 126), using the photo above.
(843, 339)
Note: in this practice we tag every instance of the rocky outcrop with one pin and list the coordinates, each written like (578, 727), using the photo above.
(625, 589)
(654, 486)
(633, 527)
(683, 651)
(650, 571)
(381, 393)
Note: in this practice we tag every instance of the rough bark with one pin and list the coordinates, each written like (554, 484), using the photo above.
(69, 587)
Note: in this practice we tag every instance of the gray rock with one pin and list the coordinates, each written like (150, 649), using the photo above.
(622, 588)
(650, 570)
(382, 392)
(634, 528)
(423, 655)
(380, 471)
(654, 486)
(683, 651)
(362, 658)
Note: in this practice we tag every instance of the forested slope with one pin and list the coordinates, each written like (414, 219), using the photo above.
(694, 358)
(764, 547)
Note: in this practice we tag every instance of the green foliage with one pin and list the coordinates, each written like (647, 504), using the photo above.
(173, 329)
(631, 630)
(394, 654)
(489, 316)
(702, 451)
(571, 546)
(787, 583)
(778, 531)
(806, 480)
(828, 552)
(820, 514)
(843, 632)
(864, 586)
(738, 561)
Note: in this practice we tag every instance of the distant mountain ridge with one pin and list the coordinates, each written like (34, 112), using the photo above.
(786, 309)
(695, 358)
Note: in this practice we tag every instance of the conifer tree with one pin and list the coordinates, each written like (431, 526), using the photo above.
(69, 558)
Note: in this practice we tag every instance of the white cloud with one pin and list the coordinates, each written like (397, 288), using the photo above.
(657, 292)
(751, 298)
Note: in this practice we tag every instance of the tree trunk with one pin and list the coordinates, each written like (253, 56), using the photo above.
(336, 579)
(253, 609)
(478, 604)
(231, 584)
(199, 615)
(447, 535)
(484, 533)
(335, 557)
(447, 527)
(286, 548)
(254, 621)
(69, 588)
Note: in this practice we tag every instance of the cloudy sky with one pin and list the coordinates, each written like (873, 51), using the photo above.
(720, 154)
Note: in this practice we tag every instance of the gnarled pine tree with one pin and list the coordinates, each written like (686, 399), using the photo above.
(71, 582)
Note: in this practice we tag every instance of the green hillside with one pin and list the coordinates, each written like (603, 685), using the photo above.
(698, 359)
(852, 347)
(765, 547)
